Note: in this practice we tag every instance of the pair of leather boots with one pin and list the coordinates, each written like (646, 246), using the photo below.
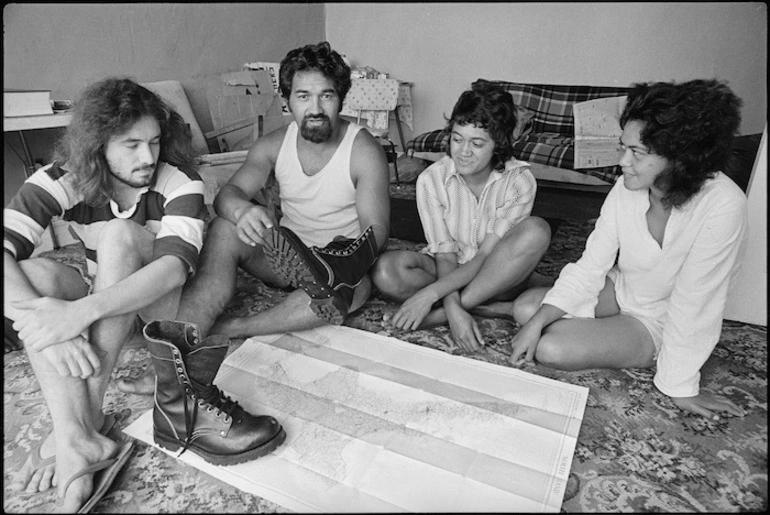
(190, 412)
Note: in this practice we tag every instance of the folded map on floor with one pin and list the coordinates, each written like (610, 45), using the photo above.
(375, 424)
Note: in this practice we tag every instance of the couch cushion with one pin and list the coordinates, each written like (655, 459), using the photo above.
(433, 141)
(552, 104)
(554, 149)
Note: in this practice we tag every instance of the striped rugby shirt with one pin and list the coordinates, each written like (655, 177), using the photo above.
(455, 221)
(172, 208)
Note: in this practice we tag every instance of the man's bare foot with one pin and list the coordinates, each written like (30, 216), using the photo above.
(33, 479)
(142, 385)
(73, 457)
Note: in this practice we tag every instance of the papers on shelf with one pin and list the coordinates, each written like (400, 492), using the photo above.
(597, 131)
(29, 102)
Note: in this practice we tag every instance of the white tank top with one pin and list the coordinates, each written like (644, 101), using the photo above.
(318, 207)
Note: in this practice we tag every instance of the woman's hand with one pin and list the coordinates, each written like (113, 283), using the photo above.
(414, 309)
(524, 344)
(47, 321)
(706, 404)
(75, 357)
(465, 330)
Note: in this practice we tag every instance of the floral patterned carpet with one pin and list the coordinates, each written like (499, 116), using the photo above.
(636, 452)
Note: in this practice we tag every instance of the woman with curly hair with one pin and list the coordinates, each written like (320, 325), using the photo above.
(651, 285)
(475, 206)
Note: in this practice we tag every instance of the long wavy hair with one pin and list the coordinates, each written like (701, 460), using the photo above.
(319, 57)
(692, 124)
(491, 108)
(107, 109)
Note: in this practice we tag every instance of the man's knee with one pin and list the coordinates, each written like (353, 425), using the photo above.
(124, 238)
(53, 279)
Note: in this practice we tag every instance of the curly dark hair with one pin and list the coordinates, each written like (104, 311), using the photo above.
(692, 124)
(110, 108)
(489, 107)
(319, 57)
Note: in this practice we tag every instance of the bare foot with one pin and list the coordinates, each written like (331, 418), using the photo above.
(73, 457)
(142, 385)
(32, 480)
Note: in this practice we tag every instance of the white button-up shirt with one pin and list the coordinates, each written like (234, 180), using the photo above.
(683, 283)
(455, 221)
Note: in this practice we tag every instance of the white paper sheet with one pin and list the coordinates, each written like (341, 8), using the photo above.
(375, 424)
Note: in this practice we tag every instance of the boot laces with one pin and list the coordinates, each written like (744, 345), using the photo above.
(201, 396)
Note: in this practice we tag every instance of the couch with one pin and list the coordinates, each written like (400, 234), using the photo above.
(548, 131)
(546, 140)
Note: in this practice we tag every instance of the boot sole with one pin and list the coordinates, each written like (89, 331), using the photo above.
(224, 459)
(293, 263)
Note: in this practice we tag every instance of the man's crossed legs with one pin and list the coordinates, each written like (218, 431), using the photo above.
(75, 401)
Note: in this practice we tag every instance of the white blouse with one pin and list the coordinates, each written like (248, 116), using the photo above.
(683, 283)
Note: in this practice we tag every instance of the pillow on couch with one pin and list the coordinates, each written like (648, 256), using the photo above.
(523, 122)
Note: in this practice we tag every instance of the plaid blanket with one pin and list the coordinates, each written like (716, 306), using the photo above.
(551, 141)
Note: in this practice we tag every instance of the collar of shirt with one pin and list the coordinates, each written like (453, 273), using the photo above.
(452, 173)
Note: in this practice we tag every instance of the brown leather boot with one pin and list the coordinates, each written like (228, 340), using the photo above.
(329, 275)
(190, 412)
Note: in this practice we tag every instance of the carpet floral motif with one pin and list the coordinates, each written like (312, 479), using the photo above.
(636, 451)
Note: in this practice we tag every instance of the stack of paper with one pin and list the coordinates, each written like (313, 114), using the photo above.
(18, 102)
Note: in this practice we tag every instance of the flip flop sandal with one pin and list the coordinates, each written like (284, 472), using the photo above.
(104, 473)
(38, 462)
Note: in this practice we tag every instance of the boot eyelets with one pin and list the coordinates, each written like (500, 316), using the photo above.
(222, 433)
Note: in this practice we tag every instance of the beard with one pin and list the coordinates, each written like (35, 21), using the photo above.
(316, 134)
(138, 182)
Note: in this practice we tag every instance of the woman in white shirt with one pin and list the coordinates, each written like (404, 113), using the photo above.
(651, 285)
(475, 206)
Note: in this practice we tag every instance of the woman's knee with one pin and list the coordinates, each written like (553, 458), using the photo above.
(552, 352)
(527, 304)
(385, 275)
(533, 234)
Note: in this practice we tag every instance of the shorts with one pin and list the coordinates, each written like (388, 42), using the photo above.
(654, 326)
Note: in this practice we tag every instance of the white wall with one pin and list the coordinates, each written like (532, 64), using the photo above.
(747, 301)
(443, 47)
(63, 47)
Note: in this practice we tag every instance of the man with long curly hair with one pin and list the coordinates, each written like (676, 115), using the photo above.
(123, 179)
(651, 285)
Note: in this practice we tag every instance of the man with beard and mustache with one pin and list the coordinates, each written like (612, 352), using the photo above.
(334, 215)
(123, 178)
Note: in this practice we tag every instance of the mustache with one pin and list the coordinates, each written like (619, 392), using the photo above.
(317, 117)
